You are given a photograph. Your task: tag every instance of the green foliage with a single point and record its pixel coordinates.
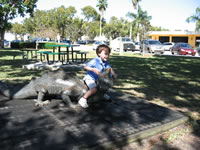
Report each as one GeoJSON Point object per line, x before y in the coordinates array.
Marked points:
{"type": "Point", "coordinates": [102, 5]}
{"type": "Point", "coordinates": [40, 25]}
{"type": "Point", "coordinates": [90, 13]}
{"type": "Point", "coordinates": [18, 29]}
{"type": "Point", "coordinates": [62, 21]}
{"type": "Point", "coordinates": [62, 18]}
{"type": "Point", "coordinates": [23, 45]}
{"type": "Point", "coordinates": [141, 20]}
{"type": "Point", "coordinates": [75, 30]}
{"type": "Point", "coordinates": [15, 45]}
{"type": "Point", "coordinates": [45, 45]}
{"type": "Point", "coordinates": [11, 9]}
{"type": "Point", "coordinates": [154, 28]}
{"type": "Point", "coordinates": [195, 18]}
{"type": "Point", "coordinates": [135, 3]}
{"type": "Point", "coordinates": [116, 27]}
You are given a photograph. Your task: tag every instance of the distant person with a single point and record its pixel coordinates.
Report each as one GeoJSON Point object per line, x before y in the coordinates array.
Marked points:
{"type": "Point", "coordinates": [94, 68]}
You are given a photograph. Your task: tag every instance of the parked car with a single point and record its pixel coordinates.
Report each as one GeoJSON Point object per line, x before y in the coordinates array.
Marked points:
{"type": "Point", "coordinates": [81, 42]}
{"type": "Point", "coordinates": [181, 48]}
{"type": "Point", "coordinates": [137, 46]}
{"type": "Point", "coordinates": [16, 41]}
{"type": "Point", "coordinates": [67, 42]}
{"type": "Point", "coordinates": [90, 41]}
{"type": "Point", "coordinates": [97, 43]}
{"type": "Point", "coordinates": [126, 43]}
{"type": "Point", "coordinates": [198, 50]}
{"type": "Point", "coordinates": [168, 45]}
{"type": "Point", "coordinates": [152, 46]}
{"type": "Point", "coordinates": [6, 43]}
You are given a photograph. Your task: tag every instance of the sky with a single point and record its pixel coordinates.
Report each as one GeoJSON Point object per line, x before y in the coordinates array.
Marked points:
{"type": "Point", "coordinates": [168, 14]}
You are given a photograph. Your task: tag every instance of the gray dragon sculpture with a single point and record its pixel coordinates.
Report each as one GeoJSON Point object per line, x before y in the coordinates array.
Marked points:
{"type": "Point", "coordinates": [58, 83]}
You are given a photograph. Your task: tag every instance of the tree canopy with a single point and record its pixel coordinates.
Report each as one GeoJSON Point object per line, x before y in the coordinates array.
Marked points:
{"type": "Point", "coordinates": [141, 22]}
{"type": "Point", "coordinates": [65, 22]}
{"type": "Point", "coordinates": [10, 9]}
{"type": "Point", "coordinates": [90, 13]}
{"type": "Point", "coordinates": [195, 18]}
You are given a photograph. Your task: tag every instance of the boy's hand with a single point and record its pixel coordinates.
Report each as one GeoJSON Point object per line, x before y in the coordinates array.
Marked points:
{"type": "Point", "coordinates": [92, 69]}
{"type": "Point", "coordinates": [96, 71]}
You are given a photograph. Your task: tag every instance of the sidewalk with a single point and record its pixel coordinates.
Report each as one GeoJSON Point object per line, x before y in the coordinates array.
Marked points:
{"type": "Point", "coordinates": [105, 125]}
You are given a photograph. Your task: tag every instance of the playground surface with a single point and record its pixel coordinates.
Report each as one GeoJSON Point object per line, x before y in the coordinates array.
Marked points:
{"type": "Point", "coordinates": [107, 125]}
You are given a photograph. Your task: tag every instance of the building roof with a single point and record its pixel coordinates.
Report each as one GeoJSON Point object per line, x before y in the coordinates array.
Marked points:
{"type": "Point", "coordinates": [185, 32]}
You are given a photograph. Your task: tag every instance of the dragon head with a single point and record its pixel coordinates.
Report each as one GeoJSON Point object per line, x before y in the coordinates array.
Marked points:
{"type": "Point", "coordinates": [105, 80]}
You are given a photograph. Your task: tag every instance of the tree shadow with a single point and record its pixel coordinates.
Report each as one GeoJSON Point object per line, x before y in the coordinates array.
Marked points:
{"type": "Point", "coordinates": [173, 80]}
{"type": "Point", "coordinates": [103, 125]}
{"type": "Point", "coordinates": [61, 128]}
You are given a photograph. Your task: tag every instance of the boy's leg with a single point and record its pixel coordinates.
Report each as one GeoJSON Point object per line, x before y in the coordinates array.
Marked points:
{"type": "Point", "coordinates": [83, 100]}
{"type": "Point", "coordinates": [92, 90]}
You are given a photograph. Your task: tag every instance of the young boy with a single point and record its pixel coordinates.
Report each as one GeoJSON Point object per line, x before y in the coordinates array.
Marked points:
{"type": "Point", "coordinates": [94, 68]}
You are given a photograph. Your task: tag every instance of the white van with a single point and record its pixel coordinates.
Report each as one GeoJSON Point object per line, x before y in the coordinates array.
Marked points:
{"type": "Point", "coordinates": [127, 43]}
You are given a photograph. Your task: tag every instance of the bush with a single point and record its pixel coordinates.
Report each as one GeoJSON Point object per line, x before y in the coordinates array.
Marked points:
{"type": "Point", "coordinates": [48, 47]}
{"type": "Point", "coordinates": [31, 45]}
{"type": "Point", "coordinates": [15, 45]}
{"type": "Point", "coordinates": [23, 45]}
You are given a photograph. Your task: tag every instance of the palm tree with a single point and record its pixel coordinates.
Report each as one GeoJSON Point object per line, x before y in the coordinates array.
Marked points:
{"type": "Point", "coordinates": [135, 3]}
{"type": "Point", "coordinates": [135, 6]}
{"type": "Point", "coordinates": [141, 20]}
{"type": "Point", "coordinates": [195, 18]}
{"type": "Point", "coordinates": [102, 5]}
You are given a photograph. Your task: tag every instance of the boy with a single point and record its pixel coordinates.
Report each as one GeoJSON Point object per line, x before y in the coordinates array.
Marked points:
{"type": "Point", "coordinates": [94, 68]}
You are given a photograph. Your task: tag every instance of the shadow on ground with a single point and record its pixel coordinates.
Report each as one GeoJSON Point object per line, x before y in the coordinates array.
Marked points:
{"type": "Point", "coordinates": [103, 125]}
{"type": "Point", "coordinates": [172, 80]}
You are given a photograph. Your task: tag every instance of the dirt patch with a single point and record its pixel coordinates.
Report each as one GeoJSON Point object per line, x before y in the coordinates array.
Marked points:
{"type": "Point", "coordinates": [178, 138]}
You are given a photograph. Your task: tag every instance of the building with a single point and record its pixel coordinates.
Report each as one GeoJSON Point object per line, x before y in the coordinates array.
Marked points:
{"type": "Point", "coordinates": [193, 38]}
{"type": "Point", "coordinates": [10, 37]}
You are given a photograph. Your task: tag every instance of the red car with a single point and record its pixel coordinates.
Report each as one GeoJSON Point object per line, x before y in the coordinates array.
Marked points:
{"type": "Point", "coordinates": [183, 49]}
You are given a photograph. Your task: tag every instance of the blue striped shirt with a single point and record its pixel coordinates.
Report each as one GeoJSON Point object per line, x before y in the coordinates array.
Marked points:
{"type": "Point", "coordinates": [98, 64]}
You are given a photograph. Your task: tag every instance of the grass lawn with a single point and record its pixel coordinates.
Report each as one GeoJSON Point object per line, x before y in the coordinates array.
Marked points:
{"type": "Point", "coordinates": [173, 82]}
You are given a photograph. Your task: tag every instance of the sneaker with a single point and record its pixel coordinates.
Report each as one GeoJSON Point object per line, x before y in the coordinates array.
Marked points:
{"type": "Point", "coordinates": [106, 97]}
{"type": "Point", "coordinates": [83, 102]}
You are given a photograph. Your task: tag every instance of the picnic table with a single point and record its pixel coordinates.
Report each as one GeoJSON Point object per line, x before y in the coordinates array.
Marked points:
{"type": "Point", "coordinates": [44, 53]}
{"type": "Point", "coordinates": [32, 51]}
{"type": "Point", "coordinates": [60, 52]}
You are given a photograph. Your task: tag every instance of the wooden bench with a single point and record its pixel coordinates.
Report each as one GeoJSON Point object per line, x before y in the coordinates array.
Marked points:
{"type": "Point", "coordinates": [81, 54]}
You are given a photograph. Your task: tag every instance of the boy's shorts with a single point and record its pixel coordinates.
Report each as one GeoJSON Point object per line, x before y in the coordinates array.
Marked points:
{"type": "Point", "coordinates": [90, 83]}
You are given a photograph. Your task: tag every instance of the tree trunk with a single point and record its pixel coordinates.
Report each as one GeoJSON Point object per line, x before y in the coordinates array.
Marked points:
{"type": "Point", "coordinates": [100, 26]}
{"type": "Point", "coordinates": [2, 33]}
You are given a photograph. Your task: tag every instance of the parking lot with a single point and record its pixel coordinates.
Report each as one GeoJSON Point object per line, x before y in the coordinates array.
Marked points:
{"type": "Point", "coordinates": [165, 53]}
{"type": "Point", "coordinates": [90, 48]}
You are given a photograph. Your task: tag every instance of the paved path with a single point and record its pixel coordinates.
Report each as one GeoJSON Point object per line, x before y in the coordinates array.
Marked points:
{"type": "Point", "coordinates": [104, 125]}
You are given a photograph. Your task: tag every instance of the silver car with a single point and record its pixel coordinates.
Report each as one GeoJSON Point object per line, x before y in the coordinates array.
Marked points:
{"type": "Point", "coordinates": [198, 50]}
{"type": "Point", "coordinates": [152, 46]}
{"type": "Point", "coordinates": [168, 45]}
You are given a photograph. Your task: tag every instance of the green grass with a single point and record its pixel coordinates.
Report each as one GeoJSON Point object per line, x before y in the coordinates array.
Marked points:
{"type": "Point", "coordinates": [169, 81]}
